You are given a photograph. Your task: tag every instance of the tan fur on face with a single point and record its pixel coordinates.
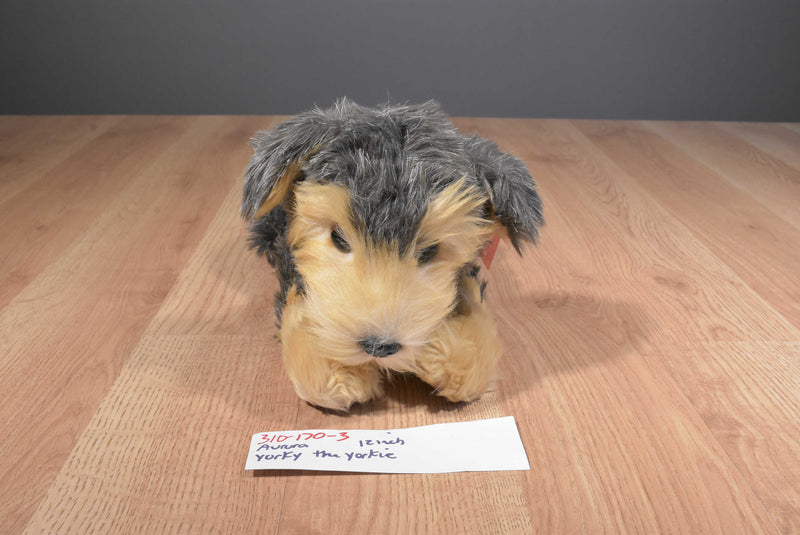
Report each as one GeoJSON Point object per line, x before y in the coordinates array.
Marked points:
{"type": "Point", "coordinates": [372, 291]}
{"type": "Point", "coordinates": [451, 220]}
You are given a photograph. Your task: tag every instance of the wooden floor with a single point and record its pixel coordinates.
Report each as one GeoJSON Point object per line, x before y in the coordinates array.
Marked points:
{"type": "Point", "coordinates": [652, 340]}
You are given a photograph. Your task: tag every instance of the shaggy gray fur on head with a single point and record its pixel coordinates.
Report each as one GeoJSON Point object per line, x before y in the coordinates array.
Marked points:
{"type": "Point", "coordinates": [393, 160]}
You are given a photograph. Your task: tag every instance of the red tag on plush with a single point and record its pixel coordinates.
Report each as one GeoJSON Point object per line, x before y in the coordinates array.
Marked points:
{"type": "Point", "coordinates": [488, 253]}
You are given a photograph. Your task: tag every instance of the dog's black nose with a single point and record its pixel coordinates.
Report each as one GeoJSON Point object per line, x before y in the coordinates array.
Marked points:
{"type": "Point", "coordinates": [378, 347]}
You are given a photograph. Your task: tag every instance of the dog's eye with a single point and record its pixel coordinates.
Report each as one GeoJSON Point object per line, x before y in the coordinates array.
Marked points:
{"type": "Point", "coordinates": [337, 237]}
{"type": "Point", "coordinates": [428, 254]}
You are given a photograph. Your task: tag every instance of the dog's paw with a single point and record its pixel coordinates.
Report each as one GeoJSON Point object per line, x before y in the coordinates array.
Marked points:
{"type": "Point", "coordinates": [338, 388]}
{"type": "Point", "coordinates": [460, 362]}
{"type": "Point", "coordinates": [457, 369]}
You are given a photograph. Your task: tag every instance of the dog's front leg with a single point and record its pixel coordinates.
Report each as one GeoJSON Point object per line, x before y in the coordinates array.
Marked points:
{"type": "Point", "coordinates": [318, 380]}
{"type": "Point", "coordinates": [460, 362]}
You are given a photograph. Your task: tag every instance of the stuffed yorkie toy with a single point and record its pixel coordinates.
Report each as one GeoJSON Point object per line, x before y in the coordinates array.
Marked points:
{"type": "Point", "coordinates": [375, 221]}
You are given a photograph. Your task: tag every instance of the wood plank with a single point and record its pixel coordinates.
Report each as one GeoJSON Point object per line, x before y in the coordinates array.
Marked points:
{"type": "Point", "coordinates": [58, 206]}
{"type": "Point", "coordinates": [12, 125]}
{"type": "Point", "coordinates": [34, 145]}
{"type": "Point", "coordinates": [165, 452]}
{"type": "Point", "coordinates": [767, 180]}
{"type": "Point", "coordinates": [633, 458]}
{"type": "Point", "coordinates": [724, 219]}
{"type": "Point", "coordinates": [16, 128]}
{"type": "Point", "coordinates": [782, 143]}
{"type": "Point", "coordinates": [792, 126]}
{"type": "Point", "coordinates": [680, 353]}
{"type": "Point", "coordinates": [748, 393]}
{"type": "Point", "coordinates": [109, 283]}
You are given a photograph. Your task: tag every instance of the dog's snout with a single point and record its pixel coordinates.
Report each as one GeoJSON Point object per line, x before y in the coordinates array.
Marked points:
{"type": "Point", "coordinates": [378, 347]}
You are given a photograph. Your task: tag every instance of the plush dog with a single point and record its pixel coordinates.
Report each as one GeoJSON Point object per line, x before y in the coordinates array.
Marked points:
{"type": "Point", "coordinates": [375, 220]}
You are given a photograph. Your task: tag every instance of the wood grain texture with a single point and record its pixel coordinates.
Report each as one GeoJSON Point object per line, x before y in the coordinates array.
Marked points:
{"type": "Point", "coordinates": [652, 340]}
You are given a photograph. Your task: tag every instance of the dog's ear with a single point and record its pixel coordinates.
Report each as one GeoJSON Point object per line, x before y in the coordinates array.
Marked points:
{"type": "Point", "coordinates": [515, 204]}
{"type": "Point", "coordinates": [277, 160]}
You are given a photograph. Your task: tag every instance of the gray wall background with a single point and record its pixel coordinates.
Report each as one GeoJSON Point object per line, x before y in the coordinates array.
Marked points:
{"type": "Point", "coordinates": [681, 59]}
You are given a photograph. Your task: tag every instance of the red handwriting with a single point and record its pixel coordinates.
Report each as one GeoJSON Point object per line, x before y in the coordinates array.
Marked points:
{"type": "Point", "coordinates": [302, 437]}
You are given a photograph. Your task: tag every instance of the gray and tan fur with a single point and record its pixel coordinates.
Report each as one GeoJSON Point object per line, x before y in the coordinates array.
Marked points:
{"type": "Point", "coordinates": [389, 165]}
